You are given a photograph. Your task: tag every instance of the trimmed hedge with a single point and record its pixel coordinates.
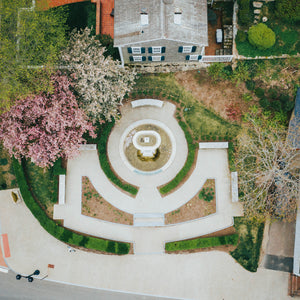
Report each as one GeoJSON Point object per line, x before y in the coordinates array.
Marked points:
{"type": "Point", "coordinates": [202, 243]}
{"type": "Point", "coordinates": [60, 232]}
{"type": "Point", "coordinates": [102, 150]}
{"type": "Point", "coordinates": [232, 167]}
{"type": "Point", "coordinates": [188, 164]}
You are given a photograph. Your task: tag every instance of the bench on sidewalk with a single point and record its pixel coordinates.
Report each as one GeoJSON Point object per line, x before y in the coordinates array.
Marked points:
{"type": "Point", "coordinates": [234, 187]}
{"type": "Point", "coordinates": [145, 102]}
{"type": "Point", "coordinates": [213, 145]}
{"type": "Point", "coordinates": [61, 189]}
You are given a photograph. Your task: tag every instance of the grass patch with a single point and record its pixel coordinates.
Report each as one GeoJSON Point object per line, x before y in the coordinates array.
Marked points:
{"type": "Point", "coordinates": [58, 231]}
{"type": "Point", "coordinates": [202, 243]}
{"type": "Point", "coordinates": [248, 249]}
{"type": "Point", "coordinates": [43, 183]}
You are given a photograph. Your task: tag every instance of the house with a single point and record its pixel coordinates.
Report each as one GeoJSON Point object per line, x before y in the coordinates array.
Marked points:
{"type": "Point", "coordinates": [165, 31]}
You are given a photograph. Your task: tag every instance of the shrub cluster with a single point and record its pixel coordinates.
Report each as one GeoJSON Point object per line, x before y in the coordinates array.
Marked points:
{"type": "Point", "coordinates": [274, 101]}
{"type": "Point", "coordinates": [202, 243]}
{"type": "Point", "coordinates": [231, 159]}
{"type": "Point", "coordinates": [60, 232]}
{"type": "Point", "coordinates": [188, 164]}
{"type": "Point", "coordinates": [207, 194]}
{"type": "Point", "coordinates": [261, 36]}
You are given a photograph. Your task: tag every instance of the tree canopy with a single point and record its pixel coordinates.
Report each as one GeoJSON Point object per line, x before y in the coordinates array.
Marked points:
{"type": "Point", "coordinates": [30, 38]}
{"type": "Point", "coordinates": [99, 81]}
{"type": "Point", "coordinates": [45, 127]}
{"type": "Point", "coordinates": [268, 177]}
{"type": "Point", "coordinates": [288, 10]}
{"type": "Point", "coordinates": [261, 36]}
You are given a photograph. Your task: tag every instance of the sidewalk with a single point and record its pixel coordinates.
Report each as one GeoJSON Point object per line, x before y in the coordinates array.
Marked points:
{"type": "Point", "coordinates": [206, 275]}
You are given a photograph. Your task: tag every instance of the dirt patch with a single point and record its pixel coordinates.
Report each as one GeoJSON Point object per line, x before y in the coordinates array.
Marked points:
{"type": "Point", "coordinates": [216, 96]}
{"type": "Point", "coordinates": [94, 205]}
{"type": "Point", "coordinates": [196, 208]}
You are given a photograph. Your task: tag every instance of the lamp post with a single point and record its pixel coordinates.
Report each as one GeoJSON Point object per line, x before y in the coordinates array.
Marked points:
{"type": "Point", "coordinates": [29, 277]}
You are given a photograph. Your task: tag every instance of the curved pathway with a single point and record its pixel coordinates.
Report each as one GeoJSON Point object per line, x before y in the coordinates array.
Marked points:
{"type": "Point", "coordinates": [211, 163]}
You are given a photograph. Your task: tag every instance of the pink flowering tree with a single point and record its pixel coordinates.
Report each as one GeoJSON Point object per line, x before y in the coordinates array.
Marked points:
{"type": "Point", "coordinates": [45, 127]}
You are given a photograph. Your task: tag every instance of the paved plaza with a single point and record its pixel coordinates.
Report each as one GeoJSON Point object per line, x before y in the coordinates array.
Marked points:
{"type": "Point", "coordinates": [148, 206]}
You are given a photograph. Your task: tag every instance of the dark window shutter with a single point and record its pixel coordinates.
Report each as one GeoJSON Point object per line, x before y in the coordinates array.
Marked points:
{"type": "Point", "coordinates": [162, 58]}
{"type": "Point", "coordinates": [150, 50]}
{"type": "Point", "coordinates": [143, 50]}
{"type": "Point", "coordinates": [194, 48]}
{"type": "Point", "coordinates": [144, 58]}
{"type": "Point", "coordinates": [129, 50]}
{"type": "Point", "coordinates": [199, 57]}
{"type": "Point", "coordinates": [180, 49]}
{"type": "Point", "coordinates": [187, 57]}
{"type": "Point", "coordinates": [150, 58]}
{"type": "Point", "coordinates": [163, 49]}
{"type": "Point", "coordinates": [131, 58]}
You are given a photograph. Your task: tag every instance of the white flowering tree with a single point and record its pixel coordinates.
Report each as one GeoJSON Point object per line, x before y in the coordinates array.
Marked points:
{"type": "Point", "coordinates": [100, 82]}
{"type": "Point", "coordinates": [268, 175]}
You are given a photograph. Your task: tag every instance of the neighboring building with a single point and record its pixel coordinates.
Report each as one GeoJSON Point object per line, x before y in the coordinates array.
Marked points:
{"type": "Point", "coordinates": [294, 138]}
{"type": "Point", "coordinates": [169, 31]}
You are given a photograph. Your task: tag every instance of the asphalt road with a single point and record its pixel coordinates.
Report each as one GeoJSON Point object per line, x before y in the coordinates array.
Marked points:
{"type": "Point", "coordinates": [10, 288]}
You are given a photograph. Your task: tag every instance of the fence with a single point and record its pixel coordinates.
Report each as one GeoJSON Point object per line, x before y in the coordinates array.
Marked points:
{"type": "Point", "coordinates": [216, 58]}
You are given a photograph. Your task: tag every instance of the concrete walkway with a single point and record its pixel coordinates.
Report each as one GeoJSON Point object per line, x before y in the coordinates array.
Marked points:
{"type": "Point", "coordinates": [148, 206]}
{"type": "Point", "coordinates": [206, 275]}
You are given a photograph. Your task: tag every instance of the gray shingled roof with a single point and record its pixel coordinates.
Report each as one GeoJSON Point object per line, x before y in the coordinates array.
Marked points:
{"type": "Point", "coordinates": [294, 126]}
{"type": "Point", "coordinates": [129, 30]}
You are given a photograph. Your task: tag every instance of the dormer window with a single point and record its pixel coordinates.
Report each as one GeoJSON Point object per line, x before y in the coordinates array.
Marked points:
{"type": "Point", "coordinates": [144, 18]}
{"type": "Point", "coordinates": [177, 18]}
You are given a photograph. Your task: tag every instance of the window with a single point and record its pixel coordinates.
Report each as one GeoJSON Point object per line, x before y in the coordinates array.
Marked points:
{"type": "Point", "coordinates": [136, 50]}
{"type": "Point", "coordinates": [144, 19]}
{"type": "Point", "coordinates": [156, 49]}
{"type": "Point", "coordinates": [177, 18]}
{"type": "Point", "coordinates": [137, 58]}
{"type": "Point", "coordinates": [156, 58]}
{"type": "Point", "coordinates": [187, 49]}
{"type": "Point", "coordinates": [193, 57]}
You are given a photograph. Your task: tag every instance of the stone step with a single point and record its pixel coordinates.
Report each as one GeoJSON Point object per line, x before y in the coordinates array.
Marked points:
{"type": "Point", "coordinates": [148, 219]}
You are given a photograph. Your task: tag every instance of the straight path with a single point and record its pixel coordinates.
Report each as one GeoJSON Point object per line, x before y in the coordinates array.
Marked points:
{"type": "Point", "coordinates": [206, 275]}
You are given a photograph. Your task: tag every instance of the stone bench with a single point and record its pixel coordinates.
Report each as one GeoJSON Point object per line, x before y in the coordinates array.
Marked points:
{"type": "Point", "coordinates": [62, 189]}
{"type": "Point", "coordinates": [213, 145]}
{"type": "Point", "coordinates": [234, 187]}
{"type": "Point", "coordinates": [147, 102]}
{"type": "Point", "coordinates": [88, 147]}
